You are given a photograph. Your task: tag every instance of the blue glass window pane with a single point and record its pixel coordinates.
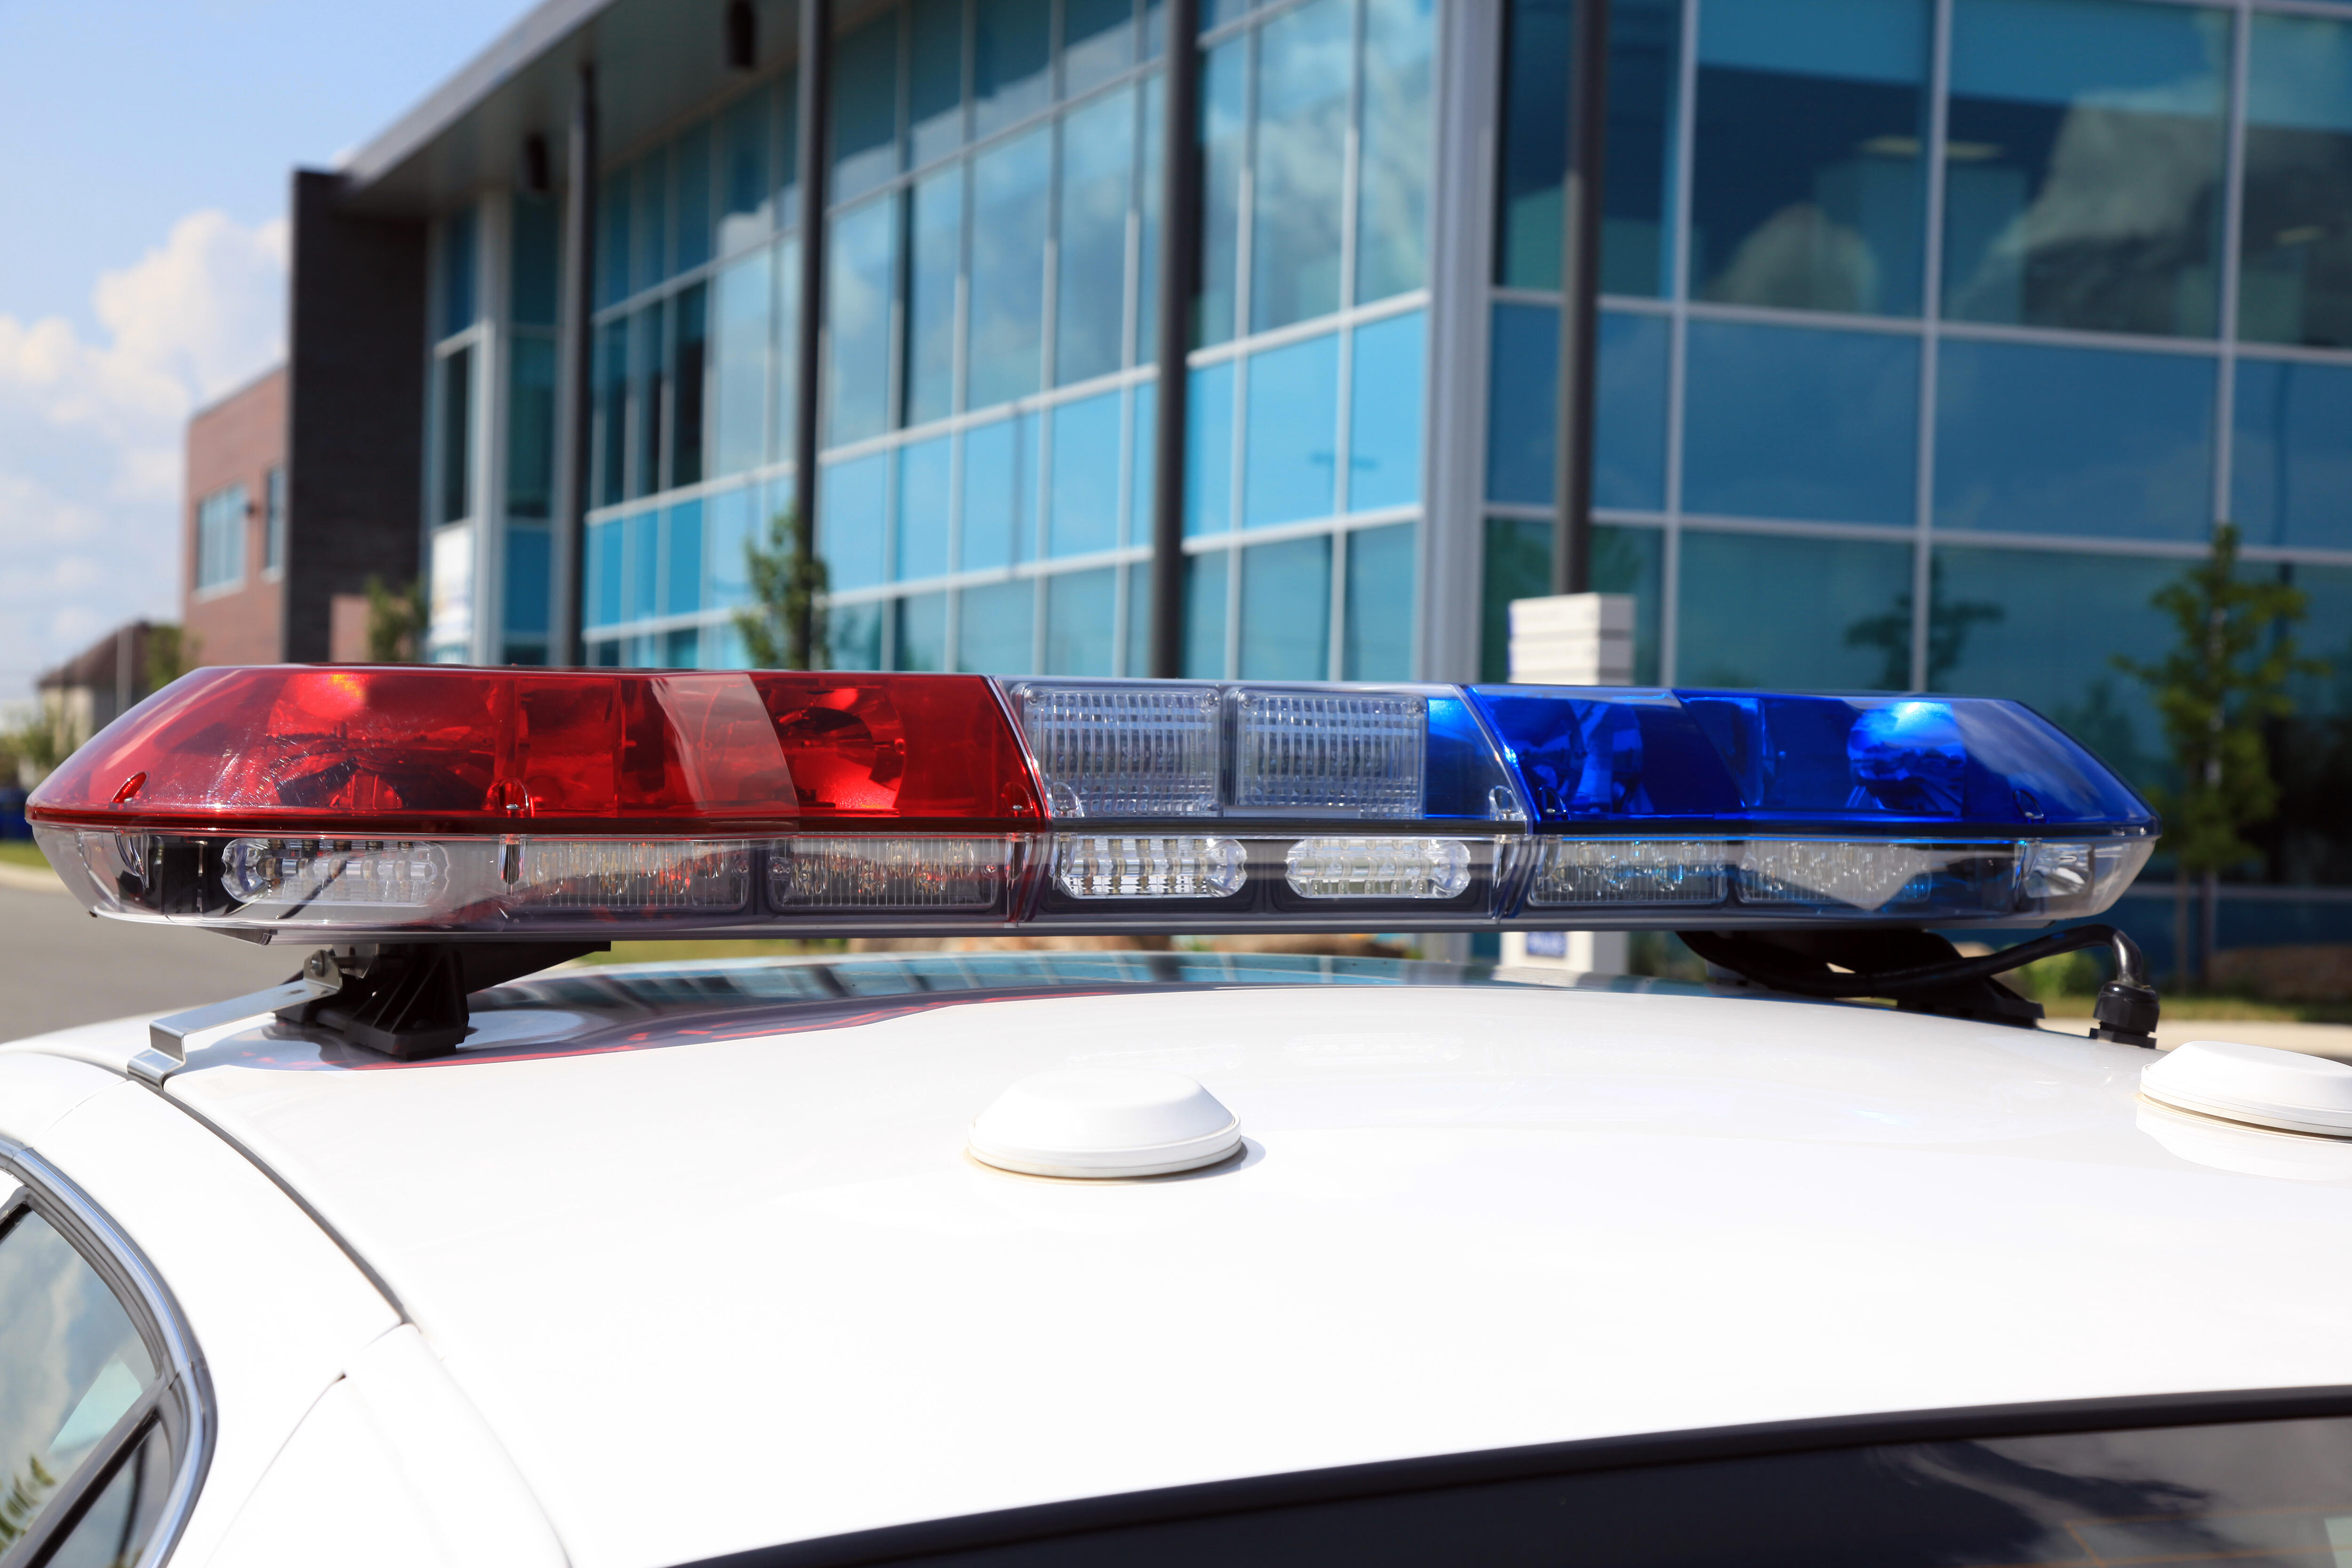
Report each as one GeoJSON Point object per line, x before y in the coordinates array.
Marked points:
{"type": "Point", "coordinates": [1289, 458]}
{"type": "Point", "coordinates": [1395, 140]}
{"type": "Point", "coordinates": [1224, 142]}
{"type": "Point", "coordinates": [1819, 627]}
{"type": "Point", "coordinates": [649, 376]}
{"type": "Point", "coordinates": [1090, 300]}
{"type": "Point", "coordinates": [2081, 611]}
{"type": "Point", "coordinates": [782, 394]}
{"type": "Point", "coordinates": [2291, 472]}
{"type": "Point", "coordinates": [932, 271]}
{"type": "Point", "coordinates": [853, 635]}
{"type": "Point", "coordinates": [1376, 642]}
{"type": "Point", "coordinates": [1204, 615]}
{"type": "Point", "coordinates": [923, 488]}
{"type": "Point", "coordinates": [1785, 422]}
{"type": "Point", "coordinates": [1644, 62]}
{"type": "Point", "coordinates": [2033, 439]}
{"type": "Point", "coordinates": [1629, 460]}
{"type": "Point", "coordinates": [682, 564]}
{"type": "Point", "coordinates": [935, 81]}
{"type": "Point", "coordinates": [1011, 42]}
{"type": "Point", "coordinates": [1807, 185]}
{"type": "Point", "coordinates": [530, 428]}
{"type": "Point", "coordinates": [641, 566]}
{"type": "Point", "coordinates": [923, 640]}
{"type": "Point", "coordinates": [536, 253]}
{"type": "Point", "coordinates": [1079, 607]}
{"type": "Point", "coordinates": [993, 636]}
{"type": "Point", "coordinates": [853, 516]}
{"type": "Point", "coordinates": [1139, 619]}
{"type": "Point", "coordinates": [1385, 415]}
{"type": "Point", "coordinates": [2083, 184]}
{"type": "Point", "coordinates": [651, 230]}
{"type": "Point", "coordinates": [858, 286]}
{"type": "Point", "coordinates": [788, 165]}
{"type": "Point", "coordinates": [1000, 490]}
{"type": "Point", "coordinates": [746, 196]}
{"type": "Point", "coordinates": [866, 107]}
{"type": "Point", "coordinates": [603, 573]}
{"type": "Point", "coordinates": [526, 570]}
{"type": "Point", "coordinates": [1097, 41]}
{"type": "Point", "coordinates": [693, 155]}
{"type": "Point", "coordinates": [611, 433]}
{"type": "Point", "coordinates": [1523, 402]}
{"type": "Point", "coordinates": [1082, 508]}
{"type": "Point", "coordinates": [1008, 268]}
{"type": "Point", "coordinates": [2295, 271]}
{"type": "Point", "coordinates": [613, 241]}
{"type": "Point", "coordinates": [1143, 401]}
{"type": "Point", "coordinates": [1146, 278]}
{"type": "Point", "coordinates": [739, 379]}
{"type": "Point", "coordinates": [1286, 610]}
{"type": "Point", "coordinates": [735, 520]}
{"type": "Point", "coordinates": [682, 649]}
{"type": "Point", "coordinates": [1209, 450]}
{"type": "Point", "coordinates": [1302, 129]}
{"type": "Point", "coordinates": [459, 235]}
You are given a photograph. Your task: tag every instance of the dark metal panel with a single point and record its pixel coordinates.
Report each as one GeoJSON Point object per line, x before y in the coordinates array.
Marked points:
{"type": "Point", "coordinates": [575, 394]}
{"type": "Point", "coordinates": [1579, 281]}
{"type": "Point", "coordinates": [816, 99]}
{"type": "Point", "coordinates": [1180, 250]}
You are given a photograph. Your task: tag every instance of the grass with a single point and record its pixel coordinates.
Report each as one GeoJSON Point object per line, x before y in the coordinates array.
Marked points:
{"type": "Point", "coordinates": [698, 951]}
{"type": "Point", "coordinates": [22, 852]}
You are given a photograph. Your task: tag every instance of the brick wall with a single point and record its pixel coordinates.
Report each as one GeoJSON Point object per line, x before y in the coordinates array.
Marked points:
{"type": "Point", "coordinates": [237, 440]}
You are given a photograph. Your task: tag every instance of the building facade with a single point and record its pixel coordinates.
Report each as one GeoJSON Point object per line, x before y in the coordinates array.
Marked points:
{"type": "Point", "coordinates": [1935, 336]}
{"type": "Point", "coordinates": [234, 533]}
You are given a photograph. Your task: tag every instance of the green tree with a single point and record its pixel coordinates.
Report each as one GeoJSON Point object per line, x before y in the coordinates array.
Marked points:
{"type": "Point", "coordinates": [785, 625]}
{"type": "Point", "coordinates": [395, 622]}
{"type": "Point", "coordinates": [2224, 680]}
{"type": "Point", "coordinates": [1949, 623]}
{"type": "Point", "coordinates": [171, 654]}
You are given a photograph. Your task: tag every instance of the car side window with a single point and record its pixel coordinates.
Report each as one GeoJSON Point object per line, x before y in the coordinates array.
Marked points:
{"type": "Point", "coordinates": [73, 1364]}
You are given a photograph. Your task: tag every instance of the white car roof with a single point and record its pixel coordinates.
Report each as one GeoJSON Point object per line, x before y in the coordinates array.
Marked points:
{"type": "Point", "coordinates": [703, 1245]}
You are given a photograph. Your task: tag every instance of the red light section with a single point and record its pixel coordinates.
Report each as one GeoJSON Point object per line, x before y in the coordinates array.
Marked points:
{"type": "Point", "coordinates": [404, 749]}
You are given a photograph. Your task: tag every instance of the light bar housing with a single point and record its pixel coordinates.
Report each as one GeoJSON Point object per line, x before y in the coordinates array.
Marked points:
{"type": "Point", "coordinates": [347, 803]}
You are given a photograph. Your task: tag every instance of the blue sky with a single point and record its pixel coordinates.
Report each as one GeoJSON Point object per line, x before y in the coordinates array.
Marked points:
{"type": "Point", "coordinates": [145, 147]}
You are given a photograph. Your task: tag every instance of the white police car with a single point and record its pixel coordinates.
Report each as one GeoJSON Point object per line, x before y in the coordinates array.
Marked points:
{"type": "Point", "coordinates": [1146, 1258]}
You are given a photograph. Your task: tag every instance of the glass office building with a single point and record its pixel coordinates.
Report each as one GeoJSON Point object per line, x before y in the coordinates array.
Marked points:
{"type": "Point", "coordinates": [1935, 336]}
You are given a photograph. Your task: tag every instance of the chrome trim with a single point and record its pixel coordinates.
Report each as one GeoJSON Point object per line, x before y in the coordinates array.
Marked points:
{"type": "Point", "coordinates": [188, 1377]}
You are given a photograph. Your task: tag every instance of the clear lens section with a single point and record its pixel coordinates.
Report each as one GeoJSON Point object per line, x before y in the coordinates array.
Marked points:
{"type": "Point", "coordinates": [1123, 750]}
{"type": "Point", "coordinates": [1379, 868]}
{"type": "Point", "coordinates": [607, 873]}
{"type": "Point", "coordinates": [1088, 867]}
{"type": "Point", "coordinates": [342, 873]}
{"type": "Point", "coordinates": [1359, 753]}
{"type": "Point", "coordinates": [1630, 872]}
{"type": "Point", "coordinates": [1878, 877]}
{"type": "Point", "coordinates": [888, 873]}
{"type": "Point", "coordinates": [2055, 873]}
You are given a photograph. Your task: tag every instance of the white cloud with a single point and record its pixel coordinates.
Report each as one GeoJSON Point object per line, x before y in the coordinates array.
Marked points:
{"type": "Point", "coordinates": [91, 434]}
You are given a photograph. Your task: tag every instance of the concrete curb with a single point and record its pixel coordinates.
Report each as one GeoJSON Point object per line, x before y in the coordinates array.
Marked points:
{"type": "Point", "coordinates": [30, 881]}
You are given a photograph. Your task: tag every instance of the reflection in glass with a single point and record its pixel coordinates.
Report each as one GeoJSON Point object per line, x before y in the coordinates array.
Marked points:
{"type": "Point", "coordinates": [2294, 278]}
{"type": "Point", "coordinates": [530, 428]}
{"type": "Point", "coordinates": [1147, 276]}
{"type": "Point", "coordinates": [1385, 415]}
{"type": "Point", "coordinates": [457, 436]}
{"type": "Point", "coordinates": [994, 632]}
{"type": "Point", "coordinates": [1290, 458]}
{"type": "Point", "coordinates": [1731, 634]}
{"type": "Point", "coordinates": [2037, 439]}
{"type": "Point", "coordinates": [1225, 125]}
{"type": "Point", "coordinates": [922, 633]}
{"type": "Point", "coordinates": [923, 500]}
{"type": "Point", "coordinates": [742, 372]}
{"type": "Point", "coordinates": [71, 1364]}
{"type": "Point", "coordinates": [1097, 164]}
{"type": "Point", "coordinates": [611, 434]}
{"type": "Point", "coordinates": [2083, 174]}
{"type": "Point", "coordinates": [1792, 423]}
{"type": "Point", "coordinates": [641, 566]}
{"type": "Point", "coordinates": [651, 229]}
{"type": "Point", "coordinates": [1204, 615]}
{"type": "Point", "coordinates": [682, 559]}
{"type": "Point", "coordinates": [853, 515]}
{"type": "Point", "coordinates": [1079, 606]}
{"type": "Point", "coordinates": [857, 326]}
{"type": "Point", "coordinates": [735, 520]}
{"type": "Point", "coordinates": [1302, 132]}
{"type": "Point", "coordinates": [935, 81]}
{"type": "Point", "coordinates": [1806, 186]}
{"type": "Point", "coordinates": [693, 162]}
{"type": "Point", "coordinates": [526, 580]}
{"type": "Point", "coordinates": [1209, 450]}
{"type": "Point", "coordinates": [935, 241]}
{"type": "Point", "coordinates": [1395, 144]}
{"type": "Point", "coordinates": [649, 396]}
{"type": "Point", "coordinates": [1143, 401]}
{"type": "Point", "coordinates": [1010, 44]}
{"type": "Point", "coordinates": [1286, 610]}
{"type": "Point", "coordinates": [1376, 639]}
{"type": "Point", "coordinates": [1008, 268]}
{"type": "Point", "coordinates": [853, 635]}
{"type": "Point", "coordinates": [460, 235]}
{"type": "Point", "coordinates": [999, 489]}
{"type": "Point", "coordinates": [688, 349]}
{"type": "Point", "coordinates": [866, 107]}
{"type": "Point", "coordinates": [746, 198]}
{"type": "Point", "coordinates": [1097, 41]}
{"type": "Point", "coordinates": [2291, 472]}
{"type": "Point", "coordinates": [1519, 567]}
{"type": "Point", "coordinates": [601, 570]}
{"type": "Point", "coordinates": [612, 239]}
{"type": "Point", "coordinates": [535, 251]}
{"type": "Point", "coordinates": [114, 1528]}
{"type": "Point", "coordinates": [1629, 457]}
{"type": "Point", "coordinates": [1082, 503]}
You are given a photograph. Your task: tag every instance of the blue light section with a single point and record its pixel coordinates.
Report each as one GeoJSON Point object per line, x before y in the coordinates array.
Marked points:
{"type": "Point", "coordinates": [1590, 757]}
{"type": "Point", "coordinates": [1459, 778]}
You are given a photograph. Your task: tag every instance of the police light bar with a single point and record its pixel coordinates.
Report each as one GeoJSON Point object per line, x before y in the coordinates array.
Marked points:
{"type": "Point", "coordinates": [438, 802]}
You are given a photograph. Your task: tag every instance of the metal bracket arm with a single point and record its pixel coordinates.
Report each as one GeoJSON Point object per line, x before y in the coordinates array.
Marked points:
{"type": "Point", "coordinates": [167, 1037]}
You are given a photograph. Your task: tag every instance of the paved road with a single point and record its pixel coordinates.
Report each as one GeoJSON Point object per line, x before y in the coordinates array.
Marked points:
{"type": "Point", "coordinates": [59, 966]}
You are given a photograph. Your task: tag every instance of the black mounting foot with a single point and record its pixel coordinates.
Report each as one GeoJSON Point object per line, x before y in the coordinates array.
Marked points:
{"type": "Point", "coordinates": [407, 1000]}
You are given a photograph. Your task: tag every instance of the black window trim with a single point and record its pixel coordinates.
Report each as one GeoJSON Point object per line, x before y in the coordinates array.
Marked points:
{"type": "Point", "coordinates": [178, 1402]}
{"type": "Point", "coordinates": [1253, 1494]}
